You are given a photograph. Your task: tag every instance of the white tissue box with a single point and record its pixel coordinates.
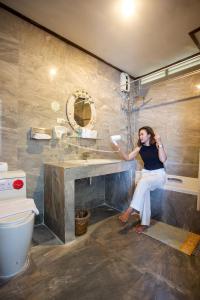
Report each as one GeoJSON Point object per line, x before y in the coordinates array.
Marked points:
{"type": "Point", "coordinates": [41, 136]}
{"type": "Point", "coordinates": [41, 133]}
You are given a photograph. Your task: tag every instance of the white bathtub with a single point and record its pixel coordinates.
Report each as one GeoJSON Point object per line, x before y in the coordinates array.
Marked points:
{"type": "Point", "coordinates": [182, 184]}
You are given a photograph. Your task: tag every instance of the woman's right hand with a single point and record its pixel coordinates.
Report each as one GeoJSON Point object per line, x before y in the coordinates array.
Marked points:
{"type": "Point", "coordinates": [115, 146]}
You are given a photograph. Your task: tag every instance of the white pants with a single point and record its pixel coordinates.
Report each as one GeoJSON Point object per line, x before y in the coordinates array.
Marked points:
{"type": "Point", "coordinates": [150, 180]}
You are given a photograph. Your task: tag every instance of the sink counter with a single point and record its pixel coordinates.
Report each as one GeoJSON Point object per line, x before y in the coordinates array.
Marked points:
{"type": "Point", "coordinates": [59, 189]}
{"type": "Point", "coordinates": [77, 169]}
{"type": "Point", "coordinates": [81, 162]}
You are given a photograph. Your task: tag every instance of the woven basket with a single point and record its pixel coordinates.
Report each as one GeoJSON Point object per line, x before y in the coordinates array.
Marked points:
{"type": "Point", "coordinates": [81, 221]}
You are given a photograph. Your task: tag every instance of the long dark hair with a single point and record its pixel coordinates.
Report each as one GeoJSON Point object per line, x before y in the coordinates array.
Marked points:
{"type": "Point", "coordinates": [150, 131]}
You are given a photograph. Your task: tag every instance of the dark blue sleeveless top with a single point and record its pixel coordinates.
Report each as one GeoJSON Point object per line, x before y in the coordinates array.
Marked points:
{"type": "Point", "coordinates": [149, 155]}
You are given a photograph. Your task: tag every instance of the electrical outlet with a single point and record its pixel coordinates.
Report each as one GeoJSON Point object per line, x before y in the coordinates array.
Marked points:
{"type": "Point", "coordinates": [61, 121]}
{"type": "Point", "coordinates": [59, 131]}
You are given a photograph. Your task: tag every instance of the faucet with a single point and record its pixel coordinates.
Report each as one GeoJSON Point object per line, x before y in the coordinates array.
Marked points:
{"type": "Point", "coordinates": [85, 155]}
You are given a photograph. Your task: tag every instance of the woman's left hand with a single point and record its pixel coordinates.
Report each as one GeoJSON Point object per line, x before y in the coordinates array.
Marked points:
{"type": "Point", "coordinates": [158, 138]}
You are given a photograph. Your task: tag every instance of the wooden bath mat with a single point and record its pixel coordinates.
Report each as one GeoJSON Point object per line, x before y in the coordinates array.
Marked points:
{"type": "Point", "coordinates": [180, 239]}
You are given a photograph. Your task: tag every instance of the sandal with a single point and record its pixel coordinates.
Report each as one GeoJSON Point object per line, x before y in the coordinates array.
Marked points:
{"type": "Point", "coordinates": [141, 228]}
{"type": "Point", "coordinates": [123, 218]}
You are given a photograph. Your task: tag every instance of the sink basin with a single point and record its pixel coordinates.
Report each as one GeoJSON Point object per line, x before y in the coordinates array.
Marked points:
{"type": "Point", "coordinates": [98, 161]}
{"type": "Point", "coordinates": [95, 161]}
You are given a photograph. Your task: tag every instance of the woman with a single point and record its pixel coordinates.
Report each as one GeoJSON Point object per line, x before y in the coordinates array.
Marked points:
{"type": "Point", "coordinates": [152, 152]}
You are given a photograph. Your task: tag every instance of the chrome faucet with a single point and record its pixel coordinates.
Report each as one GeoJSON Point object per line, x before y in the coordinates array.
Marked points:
{"type": "Point", "coordinates": [85, 155]}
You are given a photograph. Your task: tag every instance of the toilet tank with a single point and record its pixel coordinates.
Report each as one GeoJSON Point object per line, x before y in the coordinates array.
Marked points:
{"type": "Point", "coordinates": [12, 184]}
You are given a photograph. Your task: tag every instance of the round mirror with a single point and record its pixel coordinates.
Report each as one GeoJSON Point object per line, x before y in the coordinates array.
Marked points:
{"type": "Point", "coordinates": [81, 110]}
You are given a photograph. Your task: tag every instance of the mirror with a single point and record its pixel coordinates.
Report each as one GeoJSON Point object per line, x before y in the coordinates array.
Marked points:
{"type": "Point", "coordinates": [81, 110]}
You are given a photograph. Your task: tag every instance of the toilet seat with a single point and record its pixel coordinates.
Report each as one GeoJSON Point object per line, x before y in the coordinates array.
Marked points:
{"type": "Point", "coordinates": [15, 219]}
{"type": "Point", "coordinates": [16, 211]}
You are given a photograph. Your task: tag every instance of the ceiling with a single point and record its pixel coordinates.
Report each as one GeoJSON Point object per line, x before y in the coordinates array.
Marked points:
{"type": "Point", "coordinates": [154, 36]}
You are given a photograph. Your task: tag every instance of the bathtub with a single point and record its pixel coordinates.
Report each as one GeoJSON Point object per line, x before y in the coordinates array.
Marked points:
{"type": "Point", "coordinates": [182, 184]}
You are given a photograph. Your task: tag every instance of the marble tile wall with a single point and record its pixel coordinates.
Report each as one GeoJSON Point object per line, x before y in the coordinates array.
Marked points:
{"type": "Point", "coordinates": [115, 190]}
{"type": "Point", "coordinates": [178, 123]}
{"type": "Point", "coordinates": [119, 190]}
{"type": "Point", "coordinates": [27, 91]}
{"type": "Point", "coordinates": [89, 192]}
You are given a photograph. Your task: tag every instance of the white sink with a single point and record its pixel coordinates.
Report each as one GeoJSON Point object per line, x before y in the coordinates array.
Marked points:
{"type": "Point", "coordinates": [98, 161]}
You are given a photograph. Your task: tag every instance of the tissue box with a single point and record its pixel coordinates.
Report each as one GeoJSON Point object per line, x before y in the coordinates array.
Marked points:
{"type": "Point", "coordinates": [41, 133]}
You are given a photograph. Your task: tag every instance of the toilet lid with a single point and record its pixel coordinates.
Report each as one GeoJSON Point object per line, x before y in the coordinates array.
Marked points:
{"type": "Point", "coordinates": [15, 218]}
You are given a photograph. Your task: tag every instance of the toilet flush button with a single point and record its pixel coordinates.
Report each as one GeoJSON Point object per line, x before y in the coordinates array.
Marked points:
{"type": "Point", "coordinates": [2, 185]}
{"type": "Point", "coordinates": [18, 184]}
{"type": "Point", "coordinates": [5, 185]}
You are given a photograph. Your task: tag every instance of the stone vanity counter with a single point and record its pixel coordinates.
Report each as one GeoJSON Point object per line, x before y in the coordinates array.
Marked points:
{"type": "Point", "coordinates": [59, 189]}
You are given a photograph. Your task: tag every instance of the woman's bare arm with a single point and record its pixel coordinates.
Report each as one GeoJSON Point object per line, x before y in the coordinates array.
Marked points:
{"type": "Point", "coordinates": [162, 154]}
{"type": "Point", "coordinates": [161, 151]}
{"type": "Point", "coordinates": [126, 156]}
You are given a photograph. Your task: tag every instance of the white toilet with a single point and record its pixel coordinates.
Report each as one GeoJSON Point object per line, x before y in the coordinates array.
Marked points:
{"type": "Point", "coordinates": [16, 228]}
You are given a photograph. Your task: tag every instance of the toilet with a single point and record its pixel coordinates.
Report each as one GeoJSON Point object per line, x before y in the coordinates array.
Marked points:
{"type": "Point", "coordinates": [16, 227]}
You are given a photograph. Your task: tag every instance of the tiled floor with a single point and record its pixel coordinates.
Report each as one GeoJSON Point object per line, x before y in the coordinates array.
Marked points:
{"type": "Point", "coordinates": [101, 213]}
{"type": "Point", "coordinates": [104, 265]}
{"type": "Point", "coordinates": [42, 235]}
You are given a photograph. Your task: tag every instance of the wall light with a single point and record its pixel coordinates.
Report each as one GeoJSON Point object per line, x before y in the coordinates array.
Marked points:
{"type": "Point", "coordinates": [127, 7]}
{"type": "Point", "coordinates": [198, 86]}
{"type": "Point", "coordinates": [52, 72]}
